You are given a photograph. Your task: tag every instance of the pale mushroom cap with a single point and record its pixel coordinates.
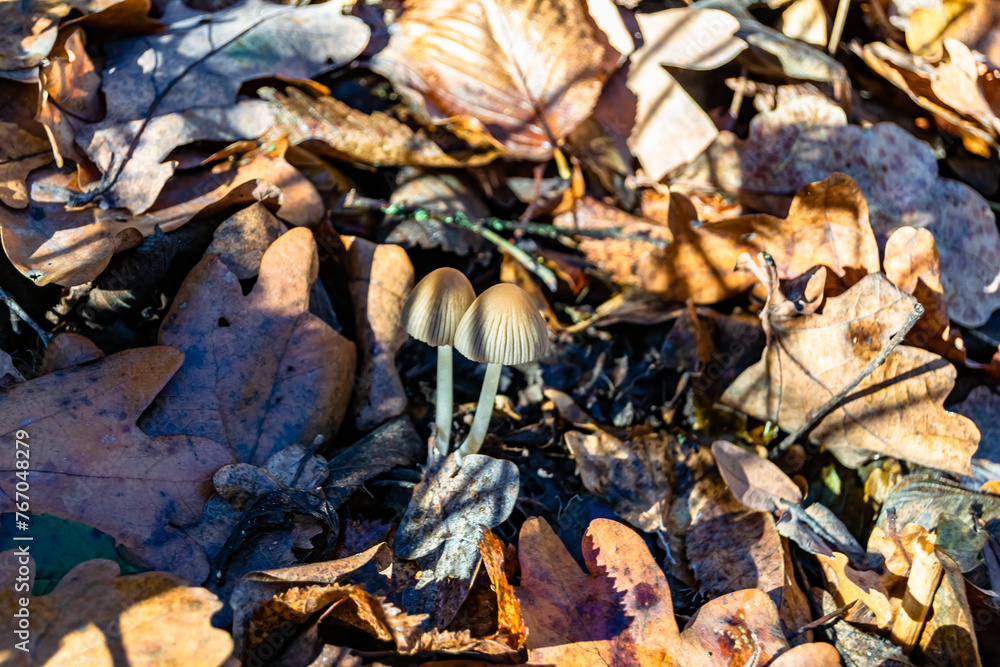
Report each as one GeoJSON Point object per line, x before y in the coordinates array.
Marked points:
{"type": "Point", "coordinates": [435, 306]}
{"type": "Point", "coordinates": [502, 326]}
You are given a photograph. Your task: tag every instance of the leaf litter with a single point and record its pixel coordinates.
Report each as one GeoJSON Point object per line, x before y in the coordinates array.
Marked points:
{"type": "Point", "coordinates": [767, 265]}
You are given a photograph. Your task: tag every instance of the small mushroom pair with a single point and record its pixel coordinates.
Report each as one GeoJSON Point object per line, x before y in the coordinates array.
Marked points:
{"type": "Point", "coordinates": [502, 327]}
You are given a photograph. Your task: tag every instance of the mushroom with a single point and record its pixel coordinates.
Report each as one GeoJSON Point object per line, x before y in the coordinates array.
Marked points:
{"type": "Point", "coordinates": [431, 315]}
{"type": "Point", "coordinates": [501, 328]}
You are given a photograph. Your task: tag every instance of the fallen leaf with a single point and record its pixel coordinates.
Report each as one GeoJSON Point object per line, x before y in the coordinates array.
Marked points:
{"type": "Point", "coordinates": [688, 38]}
{"type": "Point", "coordinates": [931, 503]}
{"type": "Point", "coordinates": [827, 224]}
{"type": "Point", "coordinates": [71, 97]}
{"type": "Point", "coordinates": [614, 255]}
{"type": "Point", "coordinates": [200, 60]}
{"type": "Point", "coordinates": [741, 628]}
{"type": "Point", "coordinates": [379, 278]}
{"type": "Point", "coordinates": [849, 584]}
{"type": "Point", "coordinates": [242, 239]}
{"type": "Point", "coordinates": [51, 243]}
{"type": "Point", "coordinates": [895, 411]}
{"type": "Point", "coordinates": [948, 87]}
{"type": "Point", "coordinates": [621, 613]}
{"type": "Point", "coordinates": [806, 20]}
{"type": "Point", "coordinates": [949, 635]}
{"type": "Point", "coordinates": [912, 263]}
{"type": "Point", "coordinates": [377, 138]}
{"type": "Point", "coordinates": [393, 444]}
{"type": "Point", "coordinates": [256, 588]}
{"type": "Point", "coordinates": [111, 475]}
{"type": "Point", "coordinates": [773, 53]}
{"type": "Point", "coordinates": [731, 548]}
{"type": "Point", "coordinates": [453, 501]}
{"type": "Point", "coordinates": [97, 617]}
{"type": "Point", "coordinates": [816, 654]}
{"type": "Point", "coordinates": [969, 21]}
{"type": "Point", "coordinates": [140, 173]}
{"type": "Point", "coordinates": [806, 138]}
{"type": "Point", "coordinates": [23, 144]}
{"type": "Point", "coordinates": [898, 550]}
{"type": "Point", "coordinates": [634, 476]}
{"type": "Point", "coordinates": [528, 74]}
{"type": "Point", "coordinates": [68, 349]}
{"type": "Point", "coordinates": [261, 372]}
{"type": "Point", "coordinates": [753, 480]}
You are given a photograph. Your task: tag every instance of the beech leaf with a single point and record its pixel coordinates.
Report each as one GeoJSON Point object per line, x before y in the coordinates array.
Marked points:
{"type": "Point", "coordinates": [529, 73]}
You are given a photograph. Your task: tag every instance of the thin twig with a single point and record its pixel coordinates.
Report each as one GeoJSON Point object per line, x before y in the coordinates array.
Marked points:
{"type": "Point", "coordinates": [17, 311]}
{"type": "Point", "coordinates": [835, 614]}
{"type": "Point", "coordinates": [816, 415]}
{"type": "Point", "coordinates": [838, 26]}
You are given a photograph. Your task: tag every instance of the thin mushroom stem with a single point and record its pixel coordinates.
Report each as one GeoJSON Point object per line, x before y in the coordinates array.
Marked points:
{"type": "Point", "coordinates": [443, 400]}
{"type": "Point", "coordinates": [484, 410]}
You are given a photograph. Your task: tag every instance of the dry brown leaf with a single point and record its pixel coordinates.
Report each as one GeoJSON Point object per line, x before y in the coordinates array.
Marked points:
{"type": "Point", "coordinates": [950, 88]}
{"type": "Point", "coordinates": [688, 38]}
{"type": "Point", "coordinates": [71, 97]}
{"type": "Point", "coordinates": [97, 618]}
{"type": "Point", "coordinates": [972, 22]}
{"type": "Point", "coordinates": [142, 172]}
{"type": "Point", "coordinates": [261, 373]}
{"type": "Point", "coordinates": [528, 73]}
{"type": "Point", "coordinates": [377, 138]}
{"type": "Point", "coordinates": [23, 144]}
{"type": "Point", "coordinates": [613, 255]}
{"type": "Point", "coordinates": [912, 264]}
{"type": "Point", "coordinates": [210, 55]}
{"type": "Point", "coordinates": [68, 349]}
{"type": "Point", "coordinates": [827, 224]}
{"type": "Point", "coordinates": [442, 196]}
{"type": "Point", "coordinates": [898, 551]}
{"type": "Point", "coordinates": [731, 548]}
{"type": "Point", "coordinates": [809, 655]}
{"type": "Point", "coordinates": [621, 613]}
{"type": "Point", "coordinates": [895, 411]}
{"type": "Point", "coordinates": [379, 277]}
{"type": "Point", "coordinates": [808, 137]}
{"type": "Point", "coordinates": [50, 243]}
{"type": "Point", "coordinates": [111, 475]}
{"type": "Point", "coordinates": [806, 20]}
{"type": "Point", "coordinates": [634, 476]}
{"type": "Point", "coordinates": [753, 480]}
{"type": "Point", "coordinates": [849, 584]}
{"type": "Point", "coordinates": [951, 633]}
{"type": "Point", "coordinates": [741, 628]}
{"type": "Point", "coordinates": [256, 588]}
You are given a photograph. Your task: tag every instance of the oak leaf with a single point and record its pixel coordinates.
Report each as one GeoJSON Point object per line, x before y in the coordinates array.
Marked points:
{"type": "Point", "coordinates": [895, 411]}
{"type": "Point", "coordinates": [528, 73]}
{"type": "Point", "coordinates": [807, 137]}
{"type": "Point", "coordinates": [261, 372]}
{"type": "Point", "coordinates": [622, 613]}
{"type": "Point", "coordinates": [826, 225]}
{"type": "Point", "coordinates": [97, 617]}
{"type": "Point", "coordinates": [96, 467]}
